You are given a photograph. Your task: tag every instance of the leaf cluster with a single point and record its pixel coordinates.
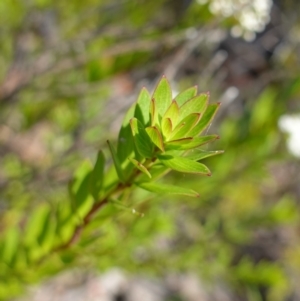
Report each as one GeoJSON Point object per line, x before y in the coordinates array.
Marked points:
{"type": "Point", "coordinates": [161, 133]}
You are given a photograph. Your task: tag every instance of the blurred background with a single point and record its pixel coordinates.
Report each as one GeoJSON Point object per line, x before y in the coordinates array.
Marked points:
{"type": "Point", "coordinates": [69, 70]}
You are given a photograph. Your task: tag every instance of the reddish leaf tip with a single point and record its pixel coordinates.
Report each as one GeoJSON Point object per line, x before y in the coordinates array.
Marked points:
{"type": "Point", "coordinates": [218, 137]}
{"type": "Point", "coordinates": [209, 174]}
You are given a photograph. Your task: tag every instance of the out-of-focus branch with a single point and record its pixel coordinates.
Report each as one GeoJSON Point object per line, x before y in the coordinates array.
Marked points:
{"type": "Point", "coordinates": [194, 38]}
{"type": "Point", "coordinates": [48, 63]}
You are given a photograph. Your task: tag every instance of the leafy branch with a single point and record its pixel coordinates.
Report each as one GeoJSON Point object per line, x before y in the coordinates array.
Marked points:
{"type": "Point", "coordinates": [158, 134]}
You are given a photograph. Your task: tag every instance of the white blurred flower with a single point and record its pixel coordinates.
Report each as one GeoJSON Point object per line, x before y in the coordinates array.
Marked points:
{"type": "Point", "coordinates": [291, 124]}
{"type": "Point", "coordinates": [252, 15]}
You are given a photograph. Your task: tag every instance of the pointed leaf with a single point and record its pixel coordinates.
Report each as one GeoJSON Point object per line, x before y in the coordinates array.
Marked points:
{"type": "Point", "coordinates": [188, 123]}
{"type": "Point", "coordinates": [47, 234]}
{"type": "Point", "coordinates": [197, 104]}
{"type": "Point", "coordinates": [167, 189]}
{"type": "Point", "coordinates": [97, 174]}
{"type": "Point", "coordinates": [140, 166]}
{"type": "Point", "coordinates": [141, 139]}
{"type": "Point", "coordinates": [180, 141]}
{"type": "Point", "coordinates": [184, 165]}
{"type": "Point", "coordinates": [162, 96]}
{"type": "Point", "coordinates": [34, 225]}
{"type": "Point", "coordinates": [12, 240]}
{"type": "Point", "coordinates": [205, 120]}
{"type": "Point", "coordinates": [155, 137]}
{"type": "Point", "coordinates": [186, 95]}
{"type": "Point", "coordinates": [79, 190]}
{"type": "Point", "coordinates": [111, 179]}
{"type": "Point", "coordinates": [172, 112]}
{"type": "Point", "coordinates": [117, 164]}
{"type": "Point", "coordinates": [142, 107]}
{"type": "Point", "coordinates": [194, 142]}
{"type": "Point", "coordinates": [125, 140]}
{"type": "Point", "coordinates": [166, 127]}
{"type": "Point", "coordinates": [157, 171]}
{"type": "Point", "coordinates": [198, 155]}
{"type": "Point", "coordinates": [121, 205]}
{"type": "Point", "coordinates": [153, 112]}
{"type": "Point", "coordinates": [178, 127]}
{"type": "Point", "coordinates": [80, 185]}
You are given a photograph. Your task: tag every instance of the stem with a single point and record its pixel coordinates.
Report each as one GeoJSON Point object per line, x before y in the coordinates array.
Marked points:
{"type": "Point", "coordinates": [98, 205]}
{"type": "Point", "coordinates": [77, 232]}
{"type": "Point", "coordinates": [88, 217]}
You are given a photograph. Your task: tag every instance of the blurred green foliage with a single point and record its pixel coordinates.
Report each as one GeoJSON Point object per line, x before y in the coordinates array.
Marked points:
{"type": "Point", "coordinates": [68, 71]}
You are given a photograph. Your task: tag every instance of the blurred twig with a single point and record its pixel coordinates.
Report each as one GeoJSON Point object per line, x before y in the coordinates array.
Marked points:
{"type": "Point", "coordinates": [49, 62]}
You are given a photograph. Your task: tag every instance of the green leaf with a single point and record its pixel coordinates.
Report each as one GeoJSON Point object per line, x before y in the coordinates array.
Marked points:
{"type": "Point", "coordinates": [11, 242]}
{"type": "Point", "coordinates": [162, 96]}
{"type": "Point", "coordinates": [172, 112]}
{"type": "Point", "coordinates": [125, 140]}
{"type": "Point", "coordinates": [48, 232]}
{"type": "Point", "coordinates": [141, 138]}
{"type": "Point", "coordinates": [66, 223]}
{"type": "Point", "coordinates": [121, 205]}
{"type": "Point", "coordinates": [34, 225]}
{"type": "Point", "coordinates": [197, 104]}
{"type": "Point", "coordinates": [153, 112]}
{"type": "Point", "coordinates": [180, 141]}
{"type": "Point", "coordinates": [166, 127]}
{"type": "Point", "coordinates": [79, 190]}
{"type": "Point", "coordinates": [96, 178]}
{"type": "Point", "coordinates": [111, 179]}
{"type": "Point", "coordinates": [155, 137]}
{"type": "Point", "coordinates": [167, 189]}
{"type": "Point", "coordinates": [185, 126]}
{"type": "Point", "coordinates": [206, 119]}
{"type": "Point", "coordinates": [140, 166]}
{"type": "Point", "coordinates": [80, 185]}
{"type": "Point", "coordinates": [197, 155]}
{"type": "Point", "coordinates": [194, 142]}
{"type": "Point", "coordinates": [117, 163]}
{"type": "Point", "coordinates": [157, 171]}
{"type": "Point", "coordinates": [184, 165]}
{"type": "Point", "coordinates": [186, 95]}
{"type": "Point", "coordinates": [142, 107]}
